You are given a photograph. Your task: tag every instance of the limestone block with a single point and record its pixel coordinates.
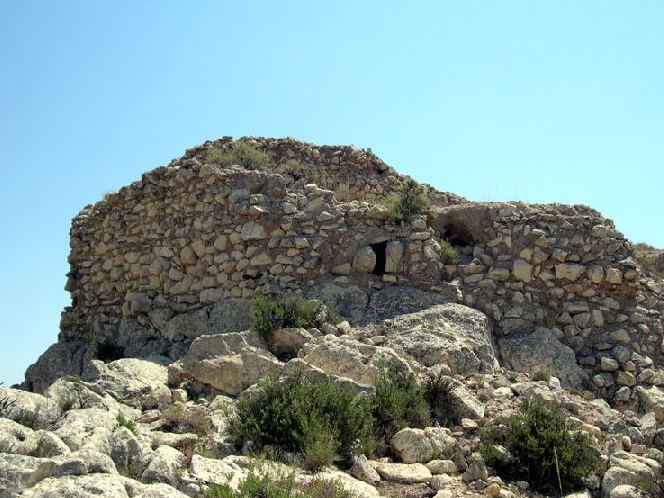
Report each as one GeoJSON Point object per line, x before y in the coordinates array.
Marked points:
{"type": "Point", "coordinates": [614, 276]}
{"type": "Point", "coordinates": [165, 466]}
{"type": "Point", "coordinates": [409, 473]}
{"type": "Point", "coordinates": [188, 256]}
{"type": "Point", "coordinates": [412, 445]}
{"type": "Point", "coordinates": [365, 260]}
{"type": "Point", "coordinates": [596, 274]}
{"type": "Point", "coordinates": [498, 274]}
{"type": "Point", "coordinates": [442, 467]}
{"type": "Point", "coordinates": [253, 231]}
{"type": "Point", "coordinates": [394, 257]}
{"type": "Point", "coordinates": [541, 351]}
{"type": "Point", "coordinates": [570, 272]}
{"type": "Point", "coordinates": [522, 270]}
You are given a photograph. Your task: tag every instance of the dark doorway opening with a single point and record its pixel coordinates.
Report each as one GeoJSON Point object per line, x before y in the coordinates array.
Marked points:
{"type": "Point", "coordinates": [458, 236]}
{"type": "Point", "coordinates": [379, 249]}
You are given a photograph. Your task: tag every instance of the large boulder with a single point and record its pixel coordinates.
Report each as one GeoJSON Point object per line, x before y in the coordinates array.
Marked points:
{"type": "Point", "coordinates": [228, 362]}
{"type": "Point", "coordinates": [628, 469]}
{"type": "Point", "coordinates": [347, 357]}
{"type": "Point", "coordinates": [422, 445]}
{"type": "Point", "coordinates": [449, 334]}
{"type": "Point", "coordinates": [141, 383]}
{"type": "Point", "coordinates": [60, 359]}
{"type": "Point", "coordinates": [29, 409]}
{"type": "Point", "coordinates": [540, 351]}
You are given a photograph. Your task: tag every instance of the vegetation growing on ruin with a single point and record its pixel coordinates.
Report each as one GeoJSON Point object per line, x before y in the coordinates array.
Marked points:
{"type": "Point", "coordinates": [409, 202]}
{"type": "Point", "coordinates": [239, 153]}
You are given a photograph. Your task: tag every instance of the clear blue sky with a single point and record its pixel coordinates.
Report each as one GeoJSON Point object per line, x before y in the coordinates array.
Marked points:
{"type": "Point", "coordinates": [493, 100]}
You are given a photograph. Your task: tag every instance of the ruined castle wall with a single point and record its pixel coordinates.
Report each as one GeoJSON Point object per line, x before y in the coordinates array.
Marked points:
{"type": "Point", "coordinates": [565, 268]}
{"type": "Point", "coordinates": [184, 238]}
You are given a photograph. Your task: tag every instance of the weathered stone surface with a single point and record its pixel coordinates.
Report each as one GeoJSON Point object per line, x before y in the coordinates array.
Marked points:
{"type": "Point", "coordinates": [450, 334]}
{"type": "Point", "coordinates": [364, 260]}
{"type": "Point", "coordinates": [403, 472]}
{"type": "Point", "coordinates": [541, 351]}
{"type": "Point", "coordinates": [652, 400]}
{"type": "Point", "coordinates": [141, 383]}
{"type": "Point", "coordinates": [164, 466]}
{"type": "Point", "coordinates": [89, 428]}
{"type": "Point", "coordinates": [412, 446]}
{"type": "Point", "coordinates": [228, 362]}
{"type": "Point", "coordinates": [346, 357]}
{"type": "Point", "coordinates": [29, 409]}
{"type": "Point", "coordinates": [61, 359]}
{"type": "Point", "coordinates": [628, 469]}
{"type": "Point", "coordinates": [211, 470]}
{"type": "Point", "coordinates": [363, 470]}
{"type": "Point", "coordinates": [112, 486]}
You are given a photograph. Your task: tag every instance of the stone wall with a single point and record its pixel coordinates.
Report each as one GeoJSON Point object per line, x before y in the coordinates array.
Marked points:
{"type": "Point", "coordinates": [179, 253]}
{"type": "Point", "coordinates": [186, 237]}
{"type": "Point", "coordinates": [567, 269]}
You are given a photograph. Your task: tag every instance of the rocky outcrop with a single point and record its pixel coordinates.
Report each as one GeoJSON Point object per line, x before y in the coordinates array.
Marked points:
{"type": "Point", "coordinates": [161, 279]}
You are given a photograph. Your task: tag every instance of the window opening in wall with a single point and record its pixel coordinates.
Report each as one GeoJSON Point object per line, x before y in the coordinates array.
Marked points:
{"type": "Point", "coordinates": [458, 236]}
{"type": "Point", "coordinates": [379, 249]}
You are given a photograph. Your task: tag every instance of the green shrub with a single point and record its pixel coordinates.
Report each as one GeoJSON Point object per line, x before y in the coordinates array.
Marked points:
{"type": "Point", "coordinates": [269, 313]}
{"type": "Point", "coordinates": [240, 153]}
{"type": "Point", "coordinates": [398, 403]}
{"type": "Point", "coordinates": [256, 485]}
{"type": "Point", "coordinates": [181, 419]}
{"type": "Point", "coordinates": [314, 418]}
{"type": "Point", "coordinates": [410, 201]}
{"type": "Point", "coordinates": [129, 424]}
{"type": "Point", "coordinates": [436, 392]}
{"type": "Point", "coordinates": [537, 446]}
{"type": "Point", "coordinates": [448, 254]}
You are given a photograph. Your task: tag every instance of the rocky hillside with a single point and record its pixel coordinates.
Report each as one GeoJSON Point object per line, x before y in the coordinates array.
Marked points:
{"type": "Point", "coordinates": [247, 261]}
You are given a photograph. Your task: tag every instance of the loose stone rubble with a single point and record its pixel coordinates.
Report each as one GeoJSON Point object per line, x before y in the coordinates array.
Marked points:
{"type": "Point", "coordinates": [546, 302]}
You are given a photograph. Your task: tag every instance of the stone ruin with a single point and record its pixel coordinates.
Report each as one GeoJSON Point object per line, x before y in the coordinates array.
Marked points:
{"type": "Point", "coordinates": [180, 253]}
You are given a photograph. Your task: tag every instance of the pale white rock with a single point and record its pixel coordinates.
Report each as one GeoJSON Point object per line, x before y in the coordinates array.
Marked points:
{"type": "Point", "coordinates": [442, 467]}
{"type": "Point", "coordinates": [364, 260]}
{"type": "Point", "coordinates": [652, 400]}
{"type": "Point", "coordinates": [627, 491]}
{"type": "Point", "coordinates": [133, 381]}
{"type": "Point", "coordinates": [229, 362]}
{"type": "Point", "coordinates": [364, 470]}
{"type": "Point", "coordinates": [164, 466]}
{"type": "Point", "coordinates": [16, 438]}
{"type": "Point", "coordinates": [441, 481]}
{"type": "Point", "coordinates": [629, 469]}
{"type": "Point", "coordinates": [522, 270]}
{"type": "Point", "coordinates": [130, 455]}
{"type": "Point", "coordinates": [570, 272]}
{"type": "Point", "coordinates": [540, 350]}
{"type": "Point", "coordinates": [111, 485]}
{"type": "Point", "coordinates": [355, 487]}
{"type": "Point", "coordinates": [394, 257]}
{"type": "Point", "coordinates": [211, 470]}
{"type": "Point", "coordinates": [412, 445]}
{"type": "Point", "coordinates": [289, 340]}
{"type": "Point", "coordinates": [476, 471]}
{"type": "Point", "coordinates": [403, 472]}
{"type": "Point", "coordinates": [87, 428]}
{"type": "Point", "coordinates": [346, 357]}
{"type": "Point", "coordinates": [449, 334]}
{"type": "Point", "coordinates": [30, 409]}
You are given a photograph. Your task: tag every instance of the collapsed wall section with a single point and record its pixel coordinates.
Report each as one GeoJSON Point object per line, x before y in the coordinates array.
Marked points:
{"type": "Point", "coordinates": [567, 269]}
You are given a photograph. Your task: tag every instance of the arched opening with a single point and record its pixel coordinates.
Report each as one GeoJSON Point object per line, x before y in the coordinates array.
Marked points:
{"type": "Point", "coordinates": [458, 235]}
{"type": "Point", "coordinates": [379, 249]}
